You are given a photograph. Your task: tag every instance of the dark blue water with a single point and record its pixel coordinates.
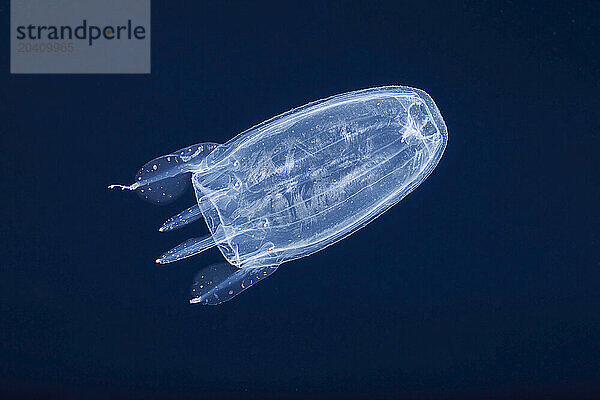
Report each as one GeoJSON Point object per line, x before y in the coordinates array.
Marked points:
{"type": "Point", "coordinates": [484, 282]}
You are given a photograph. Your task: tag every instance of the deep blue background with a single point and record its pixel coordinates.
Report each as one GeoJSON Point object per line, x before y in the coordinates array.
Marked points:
{"type": "Point", "coordinates": [485, 282]}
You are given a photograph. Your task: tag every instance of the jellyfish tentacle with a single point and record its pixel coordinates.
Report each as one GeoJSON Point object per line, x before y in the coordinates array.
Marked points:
{"type": "Point", "coordinates": [167, 177]}
{"type": "Point", "coordinates": [185, 217]}
{"type": "Point", "coordinates": [222, 282]}
{"type": "Point", "coordinates": [187, 249]}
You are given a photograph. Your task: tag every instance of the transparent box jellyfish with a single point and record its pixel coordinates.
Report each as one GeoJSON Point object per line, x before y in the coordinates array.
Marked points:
{"type": "Point", "coordinates": [296, 183]}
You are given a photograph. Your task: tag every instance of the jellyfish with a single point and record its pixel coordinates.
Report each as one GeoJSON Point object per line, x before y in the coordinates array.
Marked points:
{"type": "Point", "coordinates": [296, 183]}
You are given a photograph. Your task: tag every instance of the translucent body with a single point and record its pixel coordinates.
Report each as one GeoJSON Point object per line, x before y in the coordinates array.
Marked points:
{"type": "Point", "coordinates": [301, 181]}
{"type": "Point", "coordinates": [305, 179]}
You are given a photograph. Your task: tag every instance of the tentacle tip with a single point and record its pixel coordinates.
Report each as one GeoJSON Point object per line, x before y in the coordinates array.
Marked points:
{"type": "Point", "coordinates": [161, 229]}
{"type": "Point", "coordinates": [195, 300]}
{"type": "Point", "coordinates": [124, 187]}
{"type": "Point", "coordinates": [163, 260]}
